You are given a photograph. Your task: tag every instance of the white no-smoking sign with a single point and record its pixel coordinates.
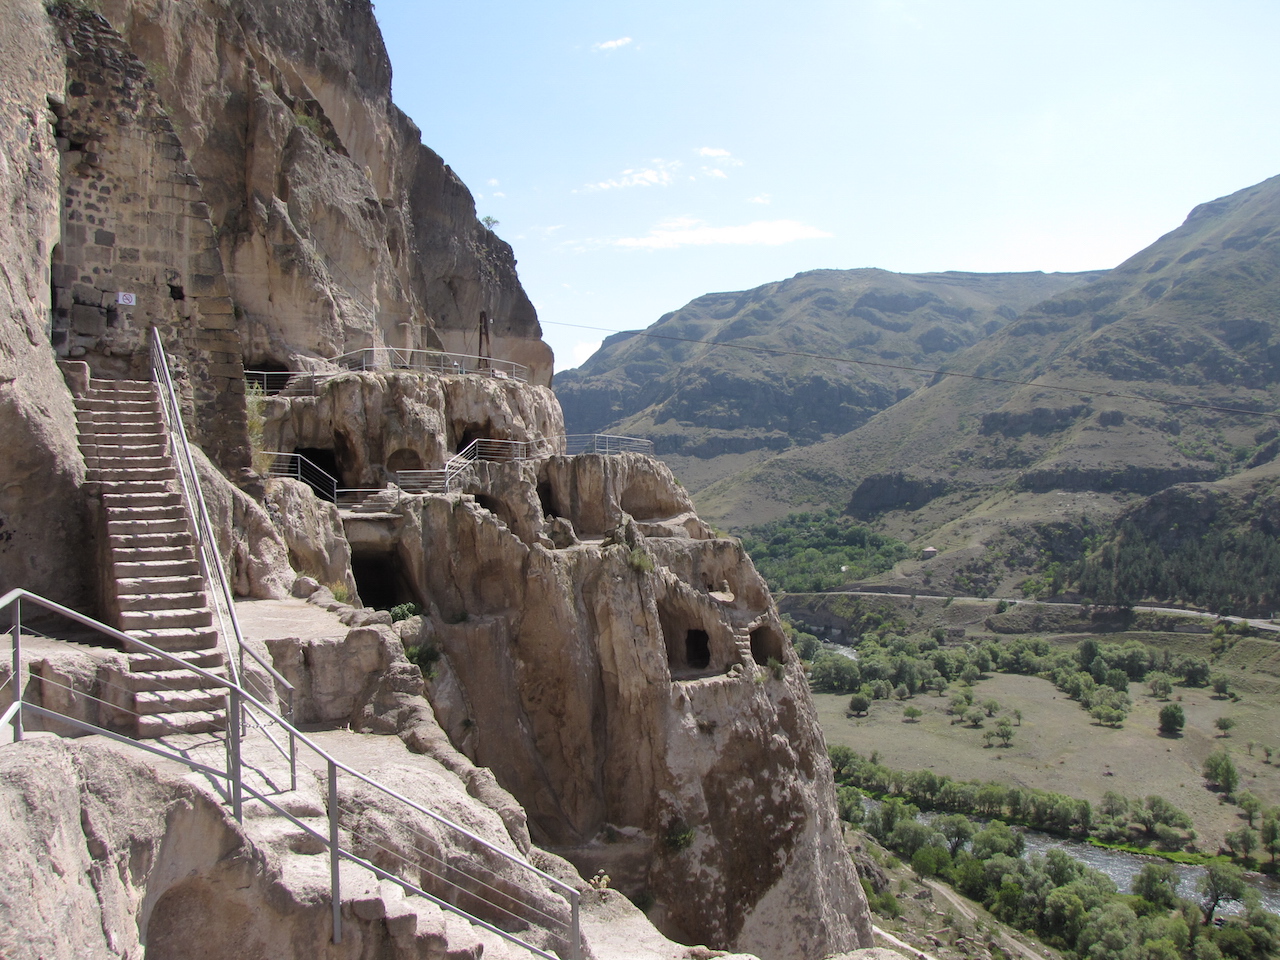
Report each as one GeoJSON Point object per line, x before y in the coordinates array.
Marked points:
{"type": "Point", "coordinates": [127, 299]}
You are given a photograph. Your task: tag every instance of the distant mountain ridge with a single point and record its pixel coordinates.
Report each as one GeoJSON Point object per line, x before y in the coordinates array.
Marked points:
{"type": "Point", "coordinates": [704, 381]}
{"type": "Point", "coordinates": [966, 463]}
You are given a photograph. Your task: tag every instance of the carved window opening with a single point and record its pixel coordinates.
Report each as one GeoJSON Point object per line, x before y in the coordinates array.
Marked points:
{"type": "Point", "coordinates": [60, 313]}
{"type": "Point", "coordinates": [766, 645]}
{"type": "Point", "coordinates": [547, 497]}
{"type": "Point", "coordinates": [689, 647]}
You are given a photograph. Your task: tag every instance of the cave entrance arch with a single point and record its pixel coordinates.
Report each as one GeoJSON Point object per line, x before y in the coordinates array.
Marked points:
{"type": "Point", "coordinates": [269, 376]}
{"type": "Point", "coordinates": [766, 645]}
{"type": "Point", "coordinates": [319, 469]}
{"type": "Point", "coordinates": [404, 459]}
{"type": "Point", "coordinates": [382, 579]}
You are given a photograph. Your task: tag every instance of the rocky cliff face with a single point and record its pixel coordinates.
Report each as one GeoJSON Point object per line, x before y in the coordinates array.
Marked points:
{"type": "Point", "coordinates": [620, 668]}
{"type": "Point", "coordinates": [234, 175]}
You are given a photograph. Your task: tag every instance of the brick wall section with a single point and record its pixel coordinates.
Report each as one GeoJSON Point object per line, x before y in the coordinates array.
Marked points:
{"type": "Point", "coordinates": [134, 222]}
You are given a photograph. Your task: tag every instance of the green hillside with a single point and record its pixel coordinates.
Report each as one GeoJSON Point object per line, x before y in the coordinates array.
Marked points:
{"type": "Point", "coordinates": [718, 385]}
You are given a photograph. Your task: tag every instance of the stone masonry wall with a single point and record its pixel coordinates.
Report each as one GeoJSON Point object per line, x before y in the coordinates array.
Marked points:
{"type": "Point", "coordinates": [134, 222]}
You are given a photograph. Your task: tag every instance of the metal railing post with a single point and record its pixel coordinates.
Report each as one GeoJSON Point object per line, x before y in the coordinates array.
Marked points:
{"type": "Point", "coordinates": [335, 859]}
{"type": "Point", "coordinates": [17, 668]}
{"type": "Point", "coordinates": [575, 943]}
{"type": "Point", "coordinates": [233, 749]}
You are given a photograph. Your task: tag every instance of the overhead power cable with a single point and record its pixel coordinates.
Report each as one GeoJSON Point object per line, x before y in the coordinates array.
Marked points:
{"type": "Point", "coordinates": [1078, 391]}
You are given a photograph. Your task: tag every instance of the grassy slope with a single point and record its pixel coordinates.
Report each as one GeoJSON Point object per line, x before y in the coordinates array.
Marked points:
{"type": "Point", "coordinates": [1058, 747]}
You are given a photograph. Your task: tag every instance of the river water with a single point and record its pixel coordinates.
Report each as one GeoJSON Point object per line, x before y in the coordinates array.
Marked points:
{"type": "Point", "coordinates": [1122, 867]}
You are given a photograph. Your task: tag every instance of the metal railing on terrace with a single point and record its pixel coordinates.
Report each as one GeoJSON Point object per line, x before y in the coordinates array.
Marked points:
{"type": "Point", "coordinates": [432, 361]}
{"type": "Point", "coordinates": [446, 478]}
{"type": "Point", "coordinates": [365, 823]}
{"type": "Point", "coordinates": [308, 383]}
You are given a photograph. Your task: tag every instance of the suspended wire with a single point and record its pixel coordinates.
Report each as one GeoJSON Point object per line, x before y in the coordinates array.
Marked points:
{"type": "Point", "coordinates": [1078, 391]}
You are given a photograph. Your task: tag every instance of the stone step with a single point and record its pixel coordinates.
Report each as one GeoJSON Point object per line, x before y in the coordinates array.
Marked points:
{"type": "Point", "coordinates": [135, 621]}
{"type": "Point", "coordinates": [208, 659]}
{"type": "Point", "coordinates": [126, 403]}
{"type": "Point", "coordinates": [172, 639]}
{"type": "Point", "coordinates": [142, 488]}
{"type": "Point", "coordinates": [110, 430]}
{"type": "Point", "coordinates": [159, 498]}
{"type": "Point", "coordinates": [156, 586]}
{"type": "Point", "coordinates": [124, 511]}
{"type": "Point", "coordinates": [118, 418]}
{"type": "Point", "coordinates": [146, 566]}
{"type": "Point", "coordinates": [169, 724]}
{"type": "Point", "coordinates": [152, 702]}
{"type": "Point", "coordinates": [140, 541]}
{"type": "Point", "coordinates": [171, 679]}
{"type": "Point", "coordinates": [157, 602]}
{"type": "Point", "coordinates": [118, 461]}
{"type": "Point", "coordinates": [131, 474]}
{"type": "Point", "coordinates": [130, 526]}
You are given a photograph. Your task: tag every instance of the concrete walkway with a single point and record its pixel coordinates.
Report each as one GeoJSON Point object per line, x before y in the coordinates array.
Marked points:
{"type": "Point", "coordinates": [276, 619]}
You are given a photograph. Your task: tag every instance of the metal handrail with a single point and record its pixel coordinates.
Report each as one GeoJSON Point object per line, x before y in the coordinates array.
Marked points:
{"type": "Point", "coordinates": [436, 361]}
{"type": "Point", "coordinates": [298, 467]}
{"type": "Point", "coordinates": [210, 561]}
{"type": "Point", "coordinates": [241, 699]}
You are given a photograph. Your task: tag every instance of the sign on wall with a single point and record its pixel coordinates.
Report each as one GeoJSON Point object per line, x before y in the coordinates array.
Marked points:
{"type": "Point", "coordinates": [128, 299]}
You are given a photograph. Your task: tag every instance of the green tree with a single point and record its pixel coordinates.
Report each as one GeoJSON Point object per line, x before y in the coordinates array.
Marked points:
{"type": "Point", "coordinates": [1172, 719]}
{"type": "Point", "coordinates": [974, 717]}
{"type": "Point", "coordinates": [859, 704]}
{"type": "Point", "coordinates": [911, 714]}
{"type": "Point", "coordinates": [1220, 769]}
{"type": "Point", "coordinates": [1250, 804]}
{"type": "Point", "coordinates": [1160, 685]}
{"type": "Point", "coordinates": [1225, 724]}
{"type": "Point", "coordinates": [1004, 730]}
{"type": "Point", "coordinates": [1157, 883]}
{"type": "Point", "coordinates": [1221, 883]}
{"type": "Point", "coordinates": [992, 707]}
{"type": "Point", "coordinates": [1221, 685]}
{"type": "Point", "coordinates": [957, 829]}
{"type": "Point", "coordinates": [1242, 842]}
{"type": "Point", "coordinates": [1270, 836]}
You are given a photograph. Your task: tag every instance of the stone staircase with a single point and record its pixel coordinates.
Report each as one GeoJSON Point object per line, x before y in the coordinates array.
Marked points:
{"type": "Point", "coordinates": [159, 592]}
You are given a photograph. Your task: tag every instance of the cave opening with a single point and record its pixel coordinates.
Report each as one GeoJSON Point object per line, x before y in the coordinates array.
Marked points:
{"type": "Point", "coordinates": [319, 469]}
{"type": "Point", "coordinates": [547, 497]}
{"type": "Point", "coordinates": [766, 645]}
{"type": "Point", "coordinates": [267, 375]}
{"type": "Point", "coordinates": [697, 649]}
{"type": "Point", "coordinates": [381, 580]}
{"type": "Point", "coordinates": [404, 459]}
{"type": "Point", "coordinates": [689, 648]}
{"type": "Point", "coordinates": [498, 508]}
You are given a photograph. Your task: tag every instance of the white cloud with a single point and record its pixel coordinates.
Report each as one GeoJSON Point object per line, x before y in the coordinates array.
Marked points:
{"type": "Point", "coordinates": [715, 173]}
{"type": "Point", "coordinates": [583, 350]}
{"type": "Point", "coordinates": [760, 198]}
{"type": "Point", "coordinates": [687, 232]}
{"type": "Point", "coordinates": [612, 44]}
{"type": "Point", "coordinates": [493, 181]}
{"type": "Point", "coordinates": [499, 193]}
{"type": "Point", "coordinates": [659, 174]}
{"type": "Point", "coordinates": [712, 152]}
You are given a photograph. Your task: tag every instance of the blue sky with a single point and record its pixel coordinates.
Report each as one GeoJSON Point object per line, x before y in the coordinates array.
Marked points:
{"type": "Point", "coordinates": [638, 155]}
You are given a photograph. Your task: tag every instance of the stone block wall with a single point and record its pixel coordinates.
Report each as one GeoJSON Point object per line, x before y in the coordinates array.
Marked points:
{"type": "Point", "coordinates": [138, 248]}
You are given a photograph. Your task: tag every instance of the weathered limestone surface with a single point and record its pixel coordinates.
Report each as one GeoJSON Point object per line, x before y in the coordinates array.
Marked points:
{"type": "Point", "coordinates": [43, 532]}
{"type": "Point", "coordinates": [254, 552]}
{"type": "Point", "coordinates": [377, 423]}
{"type": "Point", "coordinates": [635, 694]}
{"type": "Point", "coordinates": [313, 532]}
{"type": "Point", "coordinates": [338, 228]}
